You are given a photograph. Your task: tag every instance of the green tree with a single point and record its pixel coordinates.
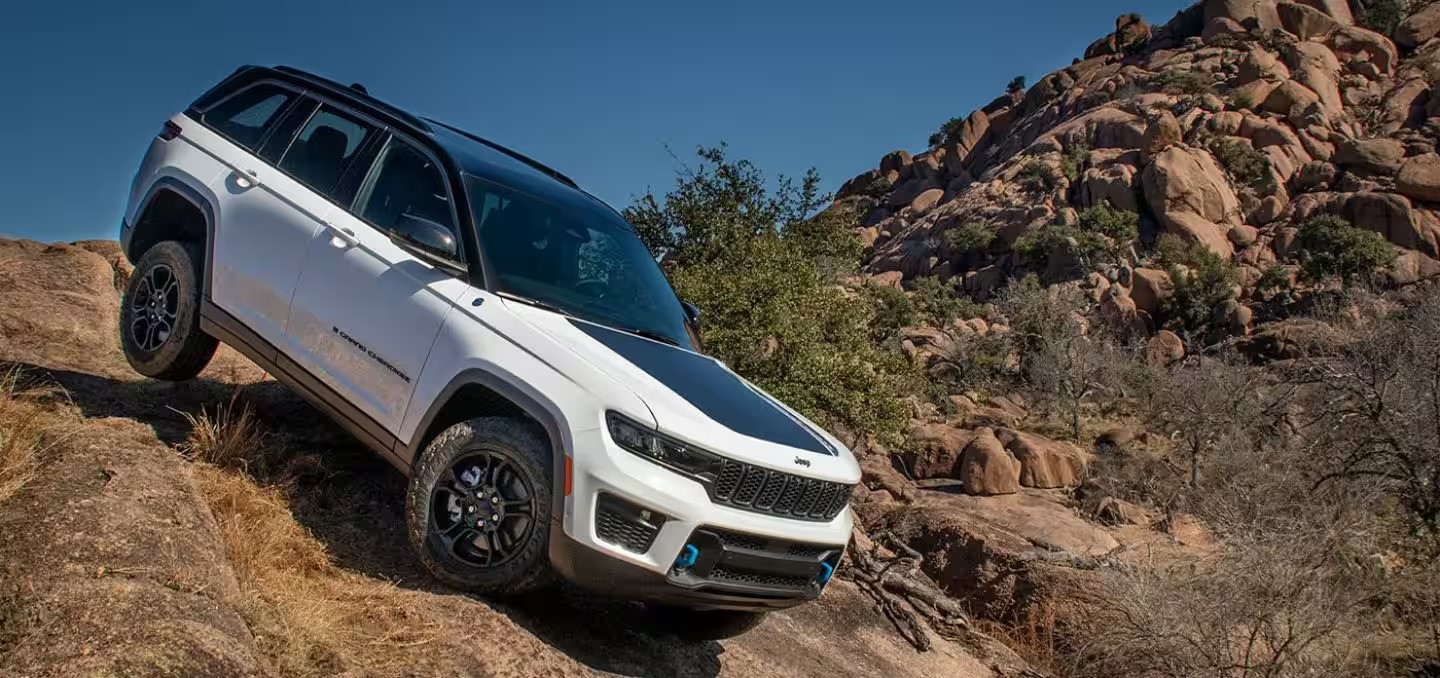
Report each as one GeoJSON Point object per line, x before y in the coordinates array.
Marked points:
{"type": "Point", "coordinates": [760, 265]}
{"type": "Point", "coordinates": [1016, 86]}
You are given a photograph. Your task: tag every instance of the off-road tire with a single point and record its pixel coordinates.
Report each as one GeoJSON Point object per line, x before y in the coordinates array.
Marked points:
{"type": "Point", "coordinates": [701, 625]}
{"type": "Point", "coordinates": [527, 450]}
{"type": "Point", "coordinates": [185, 350]}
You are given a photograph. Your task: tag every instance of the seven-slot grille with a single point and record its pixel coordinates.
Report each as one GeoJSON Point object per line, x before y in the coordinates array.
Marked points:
{"type": "Point", "coordinates": [764, 491]}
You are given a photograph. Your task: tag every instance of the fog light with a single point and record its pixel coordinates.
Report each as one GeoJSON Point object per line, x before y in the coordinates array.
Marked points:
{"type": "Point", "coordinates": [687, 557]}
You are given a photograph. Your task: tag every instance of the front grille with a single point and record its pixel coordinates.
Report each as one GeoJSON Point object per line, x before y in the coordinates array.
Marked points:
{"type": "Point", "coordinates": [725, 575]}
{"type": "Point", "coordinates": [621, 523]}
{"type": "Point", "coordinates": [778, 493]}
{"type": "Point", "coordinates": [758, 543]}
{"type": "Point", "coordinates": [744, 541]}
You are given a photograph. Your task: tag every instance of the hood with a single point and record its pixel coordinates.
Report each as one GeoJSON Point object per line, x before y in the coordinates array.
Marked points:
{"type": "Point", "coordinates": [692, 396]}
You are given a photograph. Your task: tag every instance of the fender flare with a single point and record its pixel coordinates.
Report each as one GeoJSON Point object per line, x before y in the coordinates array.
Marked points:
{"type": "Point", "coordinates": [532, 404]}
{"type": "Point", "coordinates": [191, 195]}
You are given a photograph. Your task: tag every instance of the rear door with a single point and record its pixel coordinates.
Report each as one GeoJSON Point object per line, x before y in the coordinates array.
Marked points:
{"type": "Point", "coordinates": [271, 207]}
{"type": "Point", "coordinates": [379, 282]}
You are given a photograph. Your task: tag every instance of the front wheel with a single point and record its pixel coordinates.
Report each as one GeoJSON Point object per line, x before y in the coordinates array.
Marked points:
{"type": "Point", "coordinates": [478, 507]}
{"type": "Point", "coordinates": [704, 624]}
{"type": "Point", "coordinates": [160, 315]}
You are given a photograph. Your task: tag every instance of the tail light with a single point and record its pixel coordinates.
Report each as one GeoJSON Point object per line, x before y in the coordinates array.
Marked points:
{"type": "Point", "coordinates": [169, 131]}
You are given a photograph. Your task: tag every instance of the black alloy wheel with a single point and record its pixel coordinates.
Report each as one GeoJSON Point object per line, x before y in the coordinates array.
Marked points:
{"type": "Point", "coordinates": [482, 510]}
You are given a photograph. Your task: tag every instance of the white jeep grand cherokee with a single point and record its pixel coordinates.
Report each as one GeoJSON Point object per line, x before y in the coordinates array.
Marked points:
{"type": "Point", "coordinates": [499, 335]}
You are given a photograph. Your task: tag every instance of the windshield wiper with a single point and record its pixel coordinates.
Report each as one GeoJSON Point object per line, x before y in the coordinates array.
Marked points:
{"type": "Point", "coordinates": [650, 334]}
{"type": "Point", "coordinates": [534, 302]}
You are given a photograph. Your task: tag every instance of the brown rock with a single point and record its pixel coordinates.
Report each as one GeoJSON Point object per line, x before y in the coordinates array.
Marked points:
{"type": "Point", "coordinates": [1392, 216]}
{"type": "Point", "coordinates": [1412, 267]}
{"type": "Point", "coordinates": [1315, 176]}
{"type": "Point", "coordinates": [926, 201]}
{"type": "Point", "coordinates": [1370, 156]}
{"type": "Point", "coordinates": [1194, 228]}
{"type": "Point", "coordinates": [1419, 178]}
{"type": "Point", "coordinates": [1222, 29]}
{"type": "Point", "coordinates": [1162, 133]}
{"type": "Point", "coordinates": [877, 473]}
{"type": "Point", "coordinates": [1306, 22]}
{"type": "Point", "coordinates": [1261, 12]}
{"type": "Point", "coordinates": [1418, 28]}
{"type": "Point", "coordinates": [1114, 184]}
{"type": "Point", "coordinates": [1117, 439]}
{"type": "Point", "coordinates": [1356, 45]}
{"type": "Point", "coordinates": [1260, 64]}
{"type": "Point", "coordinates": [1184, 179]}
{"type": "Point", "coordinates": [1165, 348]}
{"type": "Point", "coordinates": [1235, 316]}
{"type": "Point", "coordinates": [1045, 463]}
{"type": "Point", "coordinates": [895, 161]}
{"type": "Point", "coordinates": [1243, 236]}
{"type": "Point", "coordinates": [1113, 512]}
{"type": "Point", "coordinates": [1290, 99]}
{"type": "Point", "coordinates": [987, 467]}
{"type": "Point", "coordinates": [1270, 209]}
{"type": "Point", "coordinates": [1150, 287]}
{"type": "Point", "coordinates": [1339, 10]}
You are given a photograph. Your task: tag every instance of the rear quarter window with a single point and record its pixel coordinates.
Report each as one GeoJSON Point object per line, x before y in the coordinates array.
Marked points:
{"type": "Point", "coordinates": [247, 115]}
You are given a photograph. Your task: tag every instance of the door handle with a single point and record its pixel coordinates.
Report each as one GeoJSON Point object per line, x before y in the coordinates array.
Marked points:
{"type": "Point", "coordinates": [344, 235]}
{"type": "Point", "coordinates": [246, 178]}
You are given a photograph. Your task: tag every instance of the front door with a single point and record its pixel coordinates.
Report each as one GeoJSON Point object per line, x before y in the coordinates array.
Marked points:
{"type": "Point", "coordinates": [375, 289]}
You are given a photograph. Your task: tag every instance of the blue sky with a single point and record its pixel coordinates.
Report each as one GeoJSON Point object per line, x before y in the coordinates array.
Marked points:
{"type": "Point", "coordinates": [596, 89]}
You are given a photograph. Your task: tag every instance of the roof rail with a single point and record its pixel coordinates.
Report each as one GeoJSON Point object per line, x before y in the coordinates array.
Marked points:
{"type": "Point", "coordinates": [536, 164]}
{"type": "Point", "coordinates": [358, 91]}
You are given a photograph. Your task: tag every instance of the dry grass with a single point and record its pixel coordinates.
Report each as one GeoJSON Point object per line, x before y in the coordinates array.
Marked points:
{"type": "Point", "coordinates": [311, 617]}
{"type": "Point", "coordinates": [24, 426]}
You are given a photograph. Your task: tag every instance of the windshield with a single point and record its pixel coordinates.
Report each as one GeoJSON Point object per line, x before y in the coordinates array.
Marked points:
{"type": "Point", "coordinates": [588, 263]}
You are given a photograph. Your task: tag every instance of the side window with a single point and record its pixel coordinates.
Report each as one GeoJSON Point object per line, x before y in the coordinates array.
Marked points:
{"type": "Point", "coordinates": [324, 147]}
{"type": "Point", "coordinates": [246, 115]}
{"type": "Point", "coordinates": [408, 197]}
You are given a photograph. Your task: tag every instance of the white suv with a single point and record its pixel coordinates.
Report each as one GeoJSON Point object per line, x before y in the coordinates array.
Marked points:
{"type": "Point", "coordinates": [499, 335]}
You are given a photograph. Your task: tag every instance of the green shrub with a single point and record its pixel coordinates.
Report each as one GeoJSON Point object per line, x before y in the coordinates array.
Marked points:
{"type": "Point", "coordinates": [1201, 281]}
{"type": "Point", "coordinates": [1016, 86]}
{"type": "Point", "coordinates": [1037, 177]}
{"type": "Point", "coordinates": [1185, 82]}
{"type": "Point", "coordinates": [940, 302]}
{"type": "Point", "coordinates": [1384, 16]}
{"type": "Point", "coordinates": [1038, 244]}
{"type": "Point", "coordinates": [949, 131]}
{"type": "Point", "coordinates": [971, 236]}
{"type": "Point", "coordinates": [1120, 226]}
{"type": "Point", "coordinates": [1246, 165]}
{"type": "Point", "coordinates": [1330, 246]}
{"type": "Point", "coordinates": [1242, 102]}
{"type": "Point", "coordinates": [1072, 163]}
{"type": "Point", "coordinates": [1274, 279]}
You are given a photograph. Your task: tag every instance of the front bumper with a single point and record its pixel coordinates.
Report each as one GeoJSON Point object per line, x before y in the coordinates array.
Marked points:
{"type": "Point", "coordinates": [628, 520]}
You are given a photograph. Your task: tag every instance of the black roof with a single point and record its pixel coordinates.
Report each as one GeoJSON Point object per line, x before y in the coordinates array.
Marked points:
{"type": "Point", "coordinates": [474, 154]}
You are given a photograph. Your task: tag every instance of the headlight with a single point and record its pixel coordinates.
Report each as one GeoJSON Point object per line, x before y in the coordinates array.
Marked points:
{"type": "Point", "coordinates": [661, 450]}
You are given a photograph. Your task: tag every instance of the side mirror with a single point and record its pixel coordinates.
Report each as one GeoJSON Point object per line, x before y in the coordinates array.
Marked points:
{"type": "Point", "coordinates": [428, 234]}
{"type": "Point", "coordinates": [692, 313]}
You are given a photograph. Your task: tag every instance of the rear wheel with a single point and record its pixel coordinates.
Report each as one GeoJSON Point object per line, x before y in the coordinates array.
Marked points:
{"type": "Point", "coordinates": [478, 507]}
{"type": "Point", "coordinates": [704, 624]}
{"type": "Point", "coordinates": [160, 314]}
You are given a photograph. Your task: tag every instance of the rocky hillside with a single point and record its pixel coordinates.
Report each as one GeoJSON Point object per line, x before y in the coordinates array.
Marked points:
{"type": "Point", "coordinates": [1229, 127]}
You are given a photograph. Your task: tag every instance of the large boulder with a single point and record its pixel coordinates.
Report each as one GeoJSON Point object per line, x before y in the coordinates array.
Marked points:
{"type": "Point", "coordinates": [1045, 463]}
{"type": "Point", "coordinates": [1419, 27]}
{"type": "Point", "coordinates": [1113, 184]}
{"type": "Point", "coordinates": [960, 150]}
{"type": "Point", "coordinates": [1162, 133]}
{"type": "Point", "coordinates": [1261, 14]}
{"type": "Point", "coordinates": [987, 468]}
{"type": "Point", "coordinates": [1260, 64]}
{"type": "Point", "coordinates": [1370, 157]}
{"type": "Point", "coordinates": [1306, 22]}
{"type": "Point", "coordinates": [1149, 287]}
{"type": "Point", "coordinates": [895, 161]}
{"type": "Point", "coordinates": [60, 308]}
{"type": "Point", "coordinates": [935, 450]}
{"type": "Point", "coordinates": [1391, 216]}
{"type": "Point", "coordinates": [1339, 10]}
{"type": "Point", "coordinates": [1185, 179]}
{"type": "Point", "coordinates": [1164, 348]}
{"type": "Point", "coordinates": [1419, 178]}
{"type": "Point", "coordinates": [1412, 267]}
{"type": "Point", "coordinates": [923, 203]}
{"type": "Point", "coordinates": [1356, 45]}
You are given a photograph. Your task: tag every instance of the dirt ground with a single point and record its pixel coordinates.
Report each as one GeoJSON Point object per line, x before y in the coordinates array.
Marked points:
{"type": "Point", "coordinates": [122, 558]}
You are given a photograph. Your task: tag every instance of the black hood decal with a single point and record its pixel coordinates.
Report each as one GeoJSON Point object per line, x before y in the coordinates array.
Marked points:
{"type": "Point", "coordinates": [710, 388]}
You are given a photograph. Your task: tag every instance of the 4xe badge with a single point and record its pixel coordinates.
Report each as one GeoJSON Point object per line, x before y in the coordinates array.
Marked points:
{"type": "Point", "coordinates": [802, 462]}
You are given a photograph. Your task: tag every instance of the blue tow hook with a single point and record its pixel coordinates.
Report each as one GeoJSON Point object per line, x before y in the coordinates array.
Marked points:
{"type": "Point", "coordinates": [827, 572]}
{"type": "Point", "coordinates": [687, 557]}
